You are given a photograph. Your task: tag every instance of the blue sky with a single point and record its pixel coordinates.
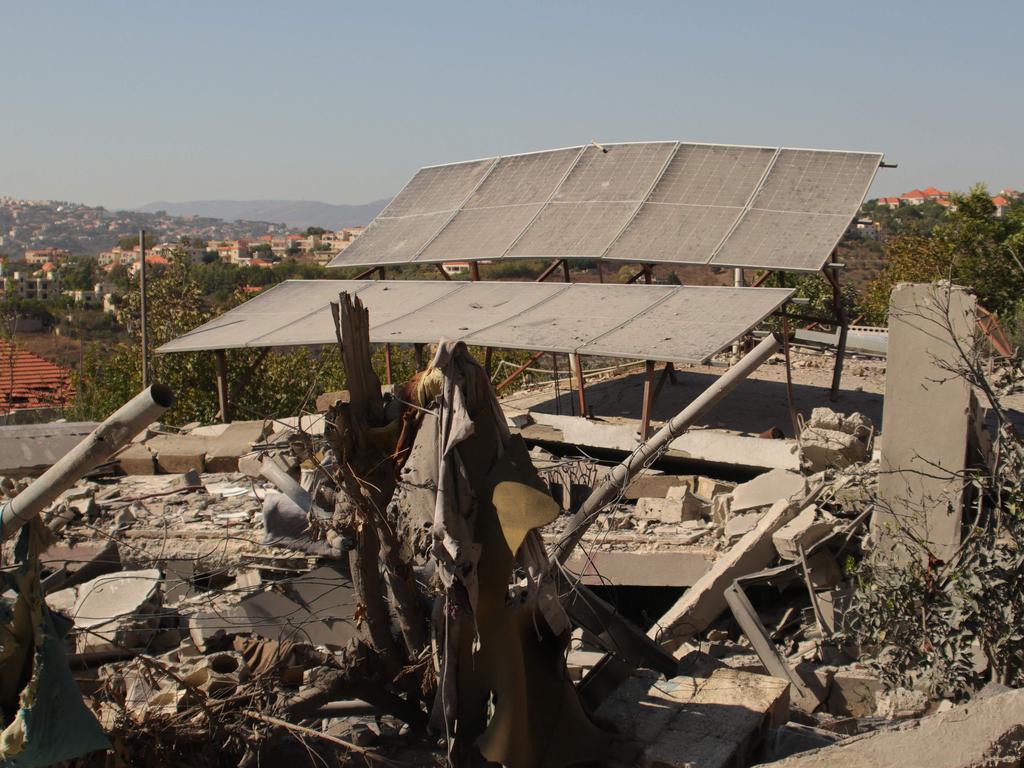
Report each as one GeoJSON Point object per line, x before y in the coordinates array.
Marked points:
{"type": "Point", "coordinates": [124, 103]}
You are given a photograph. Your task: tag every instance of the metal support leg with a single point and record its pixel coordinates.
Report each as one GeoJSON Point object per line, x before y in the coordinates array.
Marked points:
{"type": "Point", "coordinates": [418, 352]}
{"type": "Point", "coordinates": [445, 275]}
{"type": "Point", "coordinates": [220, 364]}
{"type": "Point", "coordinates": [645, 412]}
{"type": "Point", "coordinates": [387, 363]}
{"type": "Point", "coordinates": [844, 328]}
{"type": "Point", "coordinates": [547, 272]}
{"type": "Point", "coordinates": [488, 354]}
{"type": "Point", "coordinates": [515, 374]}
{"type": "Point", "coordinates": [565, 271]}
{"type": "Point", "coordinates": [581, 397]}
{"type": "Point", "coordinates": [474, 272]}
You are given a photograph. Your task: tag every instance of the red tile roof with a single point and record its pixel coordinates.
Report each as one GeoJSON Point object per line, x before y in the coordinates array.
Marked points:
{"type": "Point", "coordinates": [1000, 200]}
{"type": "Point", "coordinates": [29, 381]}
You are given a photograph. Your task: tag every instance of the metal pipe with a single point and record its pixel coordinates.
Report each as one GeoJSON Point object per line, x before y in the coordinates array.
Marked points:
{"type": "Point", "coordinates": [110, 436]}
{"type": "Point", "coordinates": [286, 484]}
{"type": "Point", "coordinates": [646, 453]}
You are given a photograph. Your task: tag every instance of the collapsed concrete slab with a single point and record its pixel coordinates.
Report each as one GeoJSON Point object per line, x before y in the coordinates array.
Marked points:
{"type": "Point", "coordinates": [702, 603]}
{"type": "Point", "coordinates": [224, 449]}
{"type": "Point", "coordinates": [117, 611]}
{"type": "Point", "coordinates": [709, 719]}
{"type": "Point", "coordinates": [985, 732]}
{"type": "Point", "coordinates": [764, 490]}
{"type": "Point", "coordinates": [805, 529]}
{"type": "Point", "coordinates": [29, 449]}
{"type": "Point", "coordinates": [177, 454]}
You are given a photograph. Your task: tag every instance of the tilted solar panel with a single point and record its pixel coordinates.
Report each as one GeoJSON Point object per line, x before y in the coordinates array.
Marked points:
{"type": "Point", "coordinates": [671, 323]}
{"type": "Point", "coordinates": [671, 202]}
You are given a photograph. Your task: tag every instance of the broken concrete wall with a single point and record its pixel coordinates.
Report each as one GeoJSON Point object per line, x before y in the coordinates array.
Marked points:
{"type": "Point", "coordinates": [925, 419]}
{"type": "Point", "coordinates": [985, 732]}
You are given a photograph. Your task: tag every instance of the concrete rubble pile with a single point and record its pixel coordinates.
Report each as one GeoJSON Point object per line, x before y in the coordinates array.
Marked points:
{"type": "Point", "coordinates": [369, 577]}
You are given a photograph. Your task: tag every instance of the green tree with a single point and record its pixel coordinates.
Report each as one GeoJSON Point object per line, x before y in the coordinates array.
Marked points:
{"type": "Point", "coordinates": [128, 242]}
{"type": "Point", "coordinates": [79, 273]}
{"type": "Point", "coordinates": [971, 246]}
{"type": "Point", "coordinates": [112, 374]}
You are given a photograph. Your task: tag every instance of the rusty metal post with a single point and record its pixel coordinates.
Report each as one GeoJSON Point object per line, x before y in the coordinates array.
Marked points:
{"type": "Point", "coordinates": [387, 363]}
{"type": "Point", "coordinates": [418, 352]}
{"type": "Point", "coordinates": [600, 272]}
{"type": "Point", "coordinates": [515, 374]}
{"type": "Point", "coordinates": [488, 354]}
{"type": "Point", "coordinates": [648, 274]}
{"type": "Point", "coordinates": [577, 368]}
{"type": "Point", "coordinates": [844, 329]}
{"type": "Point", "coordinates": [440, 268]}
{"type": "Point", "coordinates": [645, 411]}
{"type": "Point", "coordinates": [474, 272]}
{"type": "Point", "coordinates": [547, 272]}
{"type": "Point", "coordinates": [565, 271]}
{"type": "Point", "coordinates": [220, 364]}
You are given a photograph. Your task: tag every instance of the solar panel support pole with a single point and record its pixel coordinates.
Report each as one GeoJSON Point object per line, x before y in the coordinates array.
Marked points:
{"type": "Point", "coordinates": [737, 282]}
{"type": "Point", "coordinates": [547, 272]}
{"type": "Point", "coordinates": [474, 272]}
{"type": "Point", "coordinates": [142, 308]}
{"type": "Point", "coordinates": [220, 364]}
{"type": "Point", "coordinates": [844, 327]}
{"type": "Point", "coordinates": [649, 451]}
{"type": "Point", "coordinates": [515, 374]}
{"type": "Point", "coordinates": [645, 411]}
{"type": "Point", "coordinates": [577, 368]}
{"type": "Point", "coordinates": [440, 268]}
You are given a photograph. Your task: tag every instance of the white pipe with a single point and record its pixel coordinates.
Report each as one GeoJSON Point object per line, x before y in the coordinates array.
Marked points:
{"type": "Point", "coordinates": [109, 437]}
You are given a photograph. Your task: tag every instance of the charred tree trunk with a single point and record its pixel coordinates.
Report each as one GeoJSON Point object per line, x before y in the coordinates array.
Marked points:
{"type": "Point", "coordinates": [365, 443]}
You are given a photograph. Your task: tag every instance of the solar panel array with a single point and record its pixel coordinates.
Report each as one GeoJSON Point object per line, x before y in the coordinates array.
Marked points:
{"type": "Point", "coordinates": [721, 205]}
{"type": "Point", "coordinates": [670, 323]}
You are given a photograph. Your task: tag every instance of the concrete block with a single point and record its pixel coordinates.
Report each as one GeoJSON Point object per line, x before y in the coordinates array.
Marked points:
{"type": "Point", "coordinates": [702, 603]}
{"type": "Point", "coordinates": [136, 459]}
{"type": "Point", "coordinates": [643, 569]}
{"type": "Point", "coordinates": [224, 450]}
{"type": "Point", "coordinates": [708, 488]}
{"type": "Point", "coordinates": [985, 732]}
{"type": "Point", "coordinates": [656, 486]}
{"type": "Point", "coordinates": [119, 610]}
{"type": "Point", "coordinates": [689, 505]}
{"type": "Point", "coordinates": [827, 448]}
{"type": "Point", "coordinates": [738, 526]}
{"type": "Point", "coordinates": [764, 490]}
{"type": "Point", "coordinates": [712, 721]}
{"type": "Point", "coordinates": [177, 454]}
{"type": "Point", "coordinates": [854, 692]}
{"type": "Point", "coordinates": [804, 530]}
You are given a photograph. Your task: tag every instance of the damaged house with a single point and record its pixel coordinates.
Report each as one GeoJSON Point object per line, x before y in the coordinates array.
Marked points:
{"type": "Point", "coordinates": [420, 573]}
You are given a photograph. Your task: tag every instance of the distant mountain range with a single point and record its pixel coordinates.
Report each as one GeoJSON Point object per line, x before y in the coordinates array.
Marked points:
{"type": "Point", "coordinates": [297, 214]}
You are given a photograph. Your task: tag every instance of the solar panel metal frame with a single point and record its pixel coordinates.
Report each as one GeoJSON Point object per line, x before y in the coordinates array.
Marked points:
{"type": "Point", "coordinates": [814, 256]}
{"type": "Point", "coordinates": [742, 308]}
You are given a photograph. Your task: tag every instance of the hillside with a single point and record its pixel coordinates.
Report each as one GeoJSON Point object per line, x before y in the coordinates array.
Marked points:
{"type": "Point", "coordinates": [88, 230]}
{"type": "Point", "coordinates": [295, 213]}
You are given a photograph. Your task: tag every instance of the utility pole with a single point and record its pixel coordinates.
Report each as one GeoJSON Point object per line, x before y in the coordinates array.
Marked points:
{"type": "Point", "coordinates": [142, 307]}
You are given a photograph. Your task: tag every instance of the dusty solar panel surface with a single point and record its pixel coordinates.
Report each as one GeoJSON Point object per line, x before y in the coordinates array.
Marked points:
{"type": "Point", "coordinates": [667, 202]}
{"type": "Point", "coordinates": [670, 323]}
